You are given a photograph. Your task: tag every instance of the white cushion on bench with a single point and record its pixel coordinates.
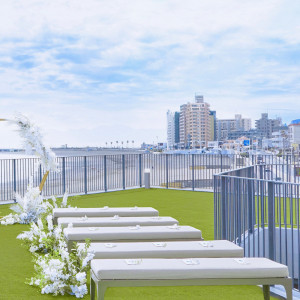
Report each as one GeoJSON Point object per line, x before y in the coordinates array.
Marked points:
{"type": "Point", "coordinates": [176, 269]}
{"type": "Point", "coordinates": [126, 233]}
{"type": "Point", "coordinates": [122, 221]}
{"type": "Point", "coordinates": [180, 249]}
{"type": "Point", "coordinates": [104, 212]}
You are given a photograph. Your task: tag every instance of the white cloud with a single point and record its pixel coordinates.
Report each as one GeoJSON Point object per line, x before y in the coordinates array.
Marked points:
{"type": "Point", "coordinates": [91, 70]}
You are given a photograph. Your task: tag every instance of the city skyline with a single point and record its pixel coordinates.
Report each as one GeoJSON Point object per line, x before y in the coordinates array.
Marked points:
{"type": "Point", "coordinates": [104, 71]}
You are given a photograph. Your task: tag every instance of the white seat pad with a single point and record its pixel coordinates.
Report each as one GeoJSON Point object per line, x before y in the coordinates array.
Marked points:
{"type": "Point", "coordinates": [104, 212]}
{"type": "Point", "coordinates": [131, 233]}
{"type": "Point", "coordinates": [169, 249]}
{"type": "Point", "coordinates": [114, 222]}
{"type": "Point", "coordinates": [177, 269]}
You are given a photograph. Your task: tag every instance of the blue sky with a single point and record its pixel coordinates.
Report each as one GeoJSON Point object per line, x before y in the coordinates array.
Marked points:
{"type": "Point", "coordinates": [91, 72]}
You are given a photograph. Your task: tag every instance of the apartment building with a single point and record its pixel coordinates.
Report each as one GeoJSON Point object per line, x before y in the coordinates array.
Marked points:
{"type": "Point", "coordinates": [266, 126]}
{"type": "Point", "coordinates": [195, 124]}
{"type": "Point", "coordinates": [225, 127]}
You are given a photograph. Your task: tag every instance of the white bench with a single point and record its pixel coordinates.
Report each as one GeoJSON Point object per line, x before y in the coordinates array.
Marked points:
{"type": "Point", "coordinates": [131, 234]}
{"type": "Point", "coordinates": [116, 221]}
{"type": "Point", "coordinates": [188, 272]}
{"type": "Point", "coordinates": [104, 212]}
{"type": "Point", "coordinates": [168, 249]}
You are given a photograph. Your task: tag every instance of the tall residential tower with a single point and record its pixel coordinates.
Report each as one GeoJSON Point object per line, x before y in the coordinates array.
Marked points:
{"type": "Point", "coordinates": [194, 124]}
{"type": "Point", "coordinates": [172, 129]}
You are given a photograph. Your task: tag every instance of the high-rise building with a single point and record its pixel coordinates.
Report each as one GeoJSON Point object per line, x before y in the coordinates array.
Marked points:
{"type": "Point", "coordinates": [266, 126]}
{"type": "Point", "coordinates": [194, 124]}
{"type": "Point", "coordinates": [213, 125]}
{"type": "Point", "coordinates": [225, 127]}
{"type": "Point", "coordinates": [172, 129]}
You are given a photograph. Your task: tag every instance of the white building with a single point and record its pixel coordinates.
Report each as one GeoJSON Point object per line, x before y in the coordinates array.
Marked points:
{"type": "Point", "coordinates": [294, 133]}
{"type": "Point", "coordinates": [170, 129]}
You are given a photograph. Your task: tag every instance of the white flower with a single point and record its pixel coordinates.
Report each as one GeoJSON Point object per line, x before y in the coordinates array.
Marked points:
{"type": "Point", "coordinates": [10, 219]}
{"type": "Point", "coordinates": [81, 277]}
{"type": "Point", "coordinates": [50, 222]}
{"type": "Point", "coordinates": [89, 257]}
{"type": "Point", "coordinates": [33, 248]}
{"type": "Point", "coordinates": [79, 291]}
{"type": "Point", "coordinates": [40, 224]}
{"type": "Point", "coordinates": [65, 200]}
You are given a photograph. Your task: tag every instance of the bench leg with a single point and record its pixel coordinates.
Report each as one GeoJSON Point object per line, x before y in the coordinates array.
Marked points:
{"type": "Point", "coordinates": [92, 289]}
{"type": "Point", "coordinates": [101, 289]}
{"type": "Point", "coordinates": [289, 290]}
{"type": "Point", "coordinates": [266, 291]}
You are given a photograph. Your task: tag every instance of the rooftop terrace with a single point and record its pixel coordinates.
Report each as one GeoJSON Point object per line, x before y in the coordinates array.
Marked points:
{"type": "Point", "coordinates": [189, 208]}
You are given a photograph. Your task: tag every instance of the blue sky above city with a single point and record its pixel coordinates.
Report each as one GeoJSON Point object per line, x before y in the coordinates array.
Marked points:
{"type": "Point", "coordinates": [91, 72]}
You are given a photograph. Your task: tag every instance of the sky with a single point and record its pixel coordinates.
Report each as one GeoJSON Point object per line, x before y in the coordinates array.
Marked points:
{"type": "Point", "coordinates": [94, 72]}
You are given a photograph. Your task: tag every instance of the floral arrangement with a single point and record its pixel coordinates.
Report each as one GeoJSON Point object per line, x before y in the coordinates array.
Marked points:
{"type": "Point", "coordinates": [43, 236]}
{"type": "Point", "coordinates": [28, 208]}
{"type": "Point", "coordinates": [57, 271]}
{"type": "Point", "coordinates": [63, 272]}
{"type": "Point", "coordinates": [33, 142]}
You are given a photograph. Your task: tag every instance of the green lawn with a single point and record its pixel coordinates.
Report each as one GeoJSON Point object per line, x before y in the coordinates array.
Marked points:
{"type": "Point", "coordinates": [190, 208]}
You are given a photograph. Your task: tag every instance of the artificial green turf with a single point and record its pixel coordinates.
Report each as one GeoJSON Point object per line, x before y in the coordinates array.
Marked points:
{"type": "Point", "coordinates": [189, 208]}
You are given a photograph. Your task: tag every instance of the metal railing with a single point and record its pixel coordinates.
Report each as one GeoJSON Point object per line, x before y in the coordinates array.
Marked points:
{"type": "Point", "coordinates": [88, 174]}
{"type": "Point", "coordinates": [260, 214]}
{"type": "Point", "coordinates": [101, 173]}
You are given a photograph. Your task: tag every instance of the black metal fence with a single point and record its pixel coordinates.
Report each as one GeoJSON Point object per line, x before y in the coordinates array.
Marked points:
{"type": "Point", "coordinates": [260, 214]}
{"type": "Point", "coordinates": [101, 173]}
{"type": "Point", "coordinates": [88, 174]}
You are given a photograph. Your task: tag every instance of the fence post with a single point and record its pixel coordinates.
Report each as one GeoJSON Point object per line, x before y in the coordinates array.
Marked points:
{"type": "Point", "coordinates": [40, 173]}
{"type": "Point", "coordinates": [85, 176]}
{"type": "Point", "coordinates": [123, 170]}
{"type": "Point", "coordinates": [221, 163]}
{"type": "Point", "coordinates": [140, 170]}
{"type": "Point", "coordinates": [223, 209]}
{"type": "Point", "coordinates": [14, 179]}
{"type": "Point", "coordinates": [271, 219]}
{"type": "Point", "coordinates": [64, 174]}
{"type": "Point", "coordinates": [251, 200]}
{"type": "Point", "coordinates": [167, 171]}
{"type": "Point", "coordinates": [105, 174]}
{"type": "Point", "coordinates": [193, 173]}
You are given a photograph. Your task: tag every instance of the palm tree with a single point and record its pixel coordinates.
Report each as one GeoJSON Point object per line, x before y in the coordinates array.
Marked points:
{"type": "Point", "coordinates": [132, 143]}
{"type": "Point", "coordinates": [127, 143]}
{"type": "Point", "coordinates": [122, 144]}
{"type": "Point", "coordinates": [106, 144]}
{"type": "Point", "coordinates": [117, 143]}
{"type": "Point", "coordinates": [111, 144]}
